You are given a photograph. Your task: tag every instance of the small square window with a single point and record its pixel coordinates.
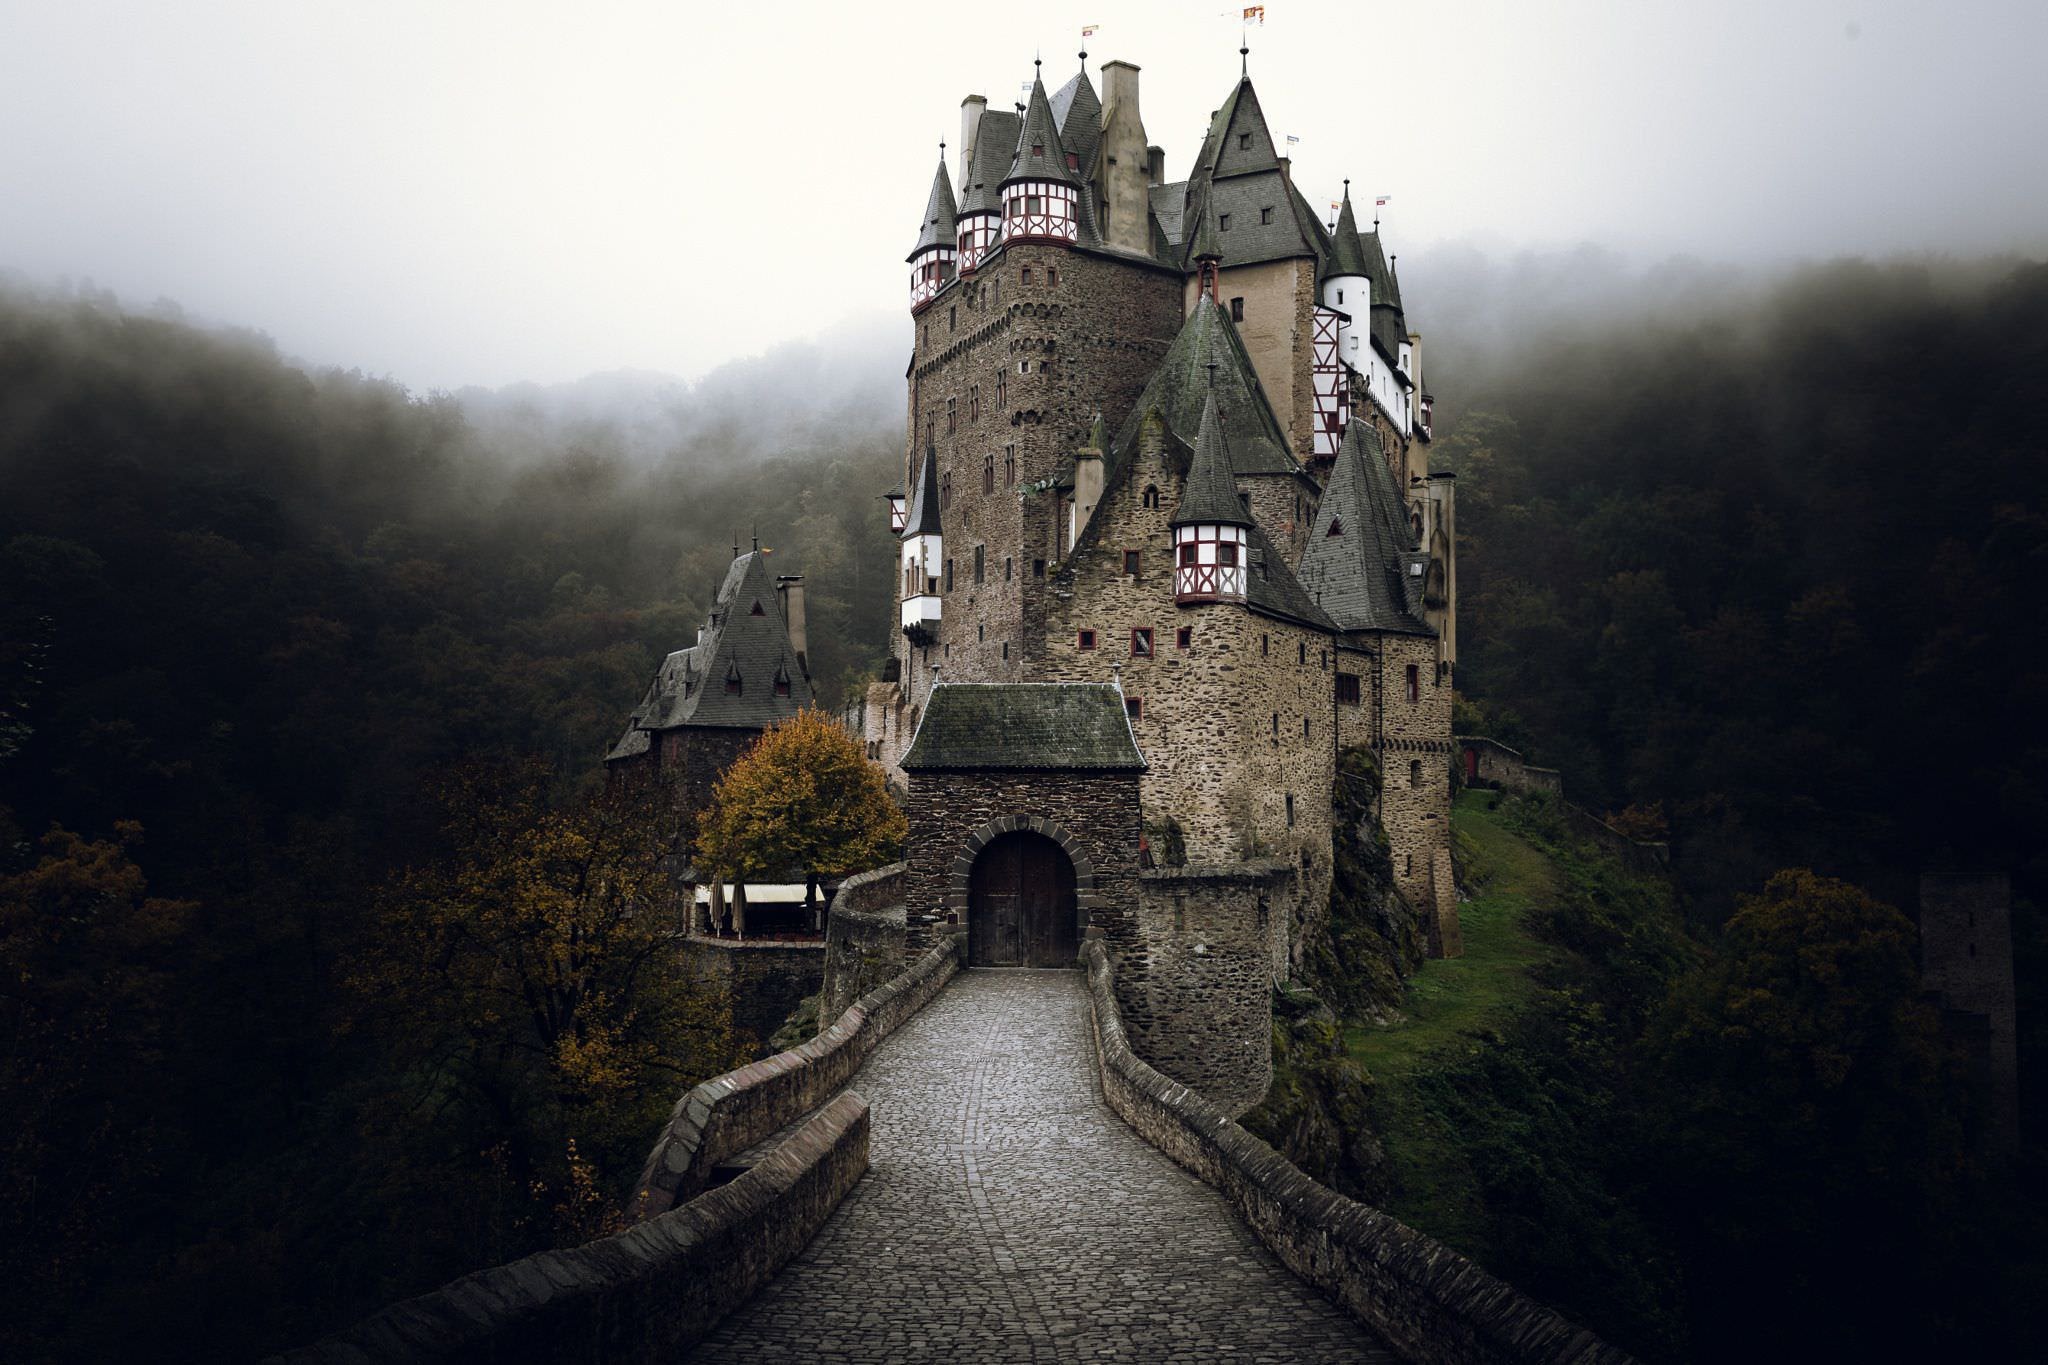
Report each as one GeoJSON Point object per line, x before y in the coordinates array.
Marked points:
{"type": "Point", "coordinates": [1086, 640]}
{"type": "Point", "coordinates": [1130, 563]}
{"type": "Point", "coordinates": [1347, 689]}
{"type": "Point", "coordinates": [1134, 707]}
{"type": "Point", "coordinates": [1052, 274]}
{"type": "Point", "coordinates": [1038, 568]}
{"type": "Point", "coordinates": [1266, 214]}
{"type": "Point", "coordinates": [1141, 642]}
{"type": "Point", "coordinates": [1244, 141]}
{"type": "Point", "coordinates": [1038, 149]}
{"type": "Point", "coordinates": [1027, 274]}
{"type": "Point", "coordinates": [1223, 222]}
{"type": "Point", "coordinates": [1184, 638]}
{"type": "Point", "coordinates": [1073, 161]}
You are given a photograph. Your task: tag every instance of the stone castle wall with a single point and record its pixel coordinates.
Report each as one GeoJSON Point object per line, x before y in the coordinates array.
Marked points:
{"type": "Point", "coordinates": [1233, 725]}
{"type": "Point", "coordinates": [1490, 761]}
{"type": "Point", "coordinates": [1082, 337]}
{"type": "Point", "coordinates": [764, 981]}
{"type": "Point", "coordinates": [1093, 815]}
{"type": "Point", "coordinates": [1278, 331]}
{"type": "Point", "coordinates": [1197, 990]}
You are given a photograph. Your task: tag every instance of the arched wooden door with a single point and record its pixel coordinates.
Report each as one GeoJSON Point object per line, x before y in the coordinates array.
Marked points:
{"type": "Point", "coordinates": [1020, 904]}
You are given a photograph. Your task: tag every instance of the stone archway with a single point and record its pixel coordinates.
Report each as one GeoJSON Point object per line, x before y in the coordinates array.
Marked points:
{"type": "Point", "coordinates": [1020, 904]}
{"type": "Point", "coordinates": [1084, 897]}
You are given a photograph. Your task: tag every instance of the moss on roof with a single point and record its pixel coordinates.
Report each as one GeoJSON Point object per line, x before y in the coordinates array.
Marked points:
{"type": "Point", "coordinates": [1041, 726]}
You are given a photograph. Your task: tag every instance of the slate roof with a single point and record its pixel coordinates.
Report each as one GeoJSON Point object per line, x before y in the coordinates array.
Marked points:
{"type": "Point", "coordinates": [1079, 114]}
{"type": "Point", "coordinates": [995, 143]}
{"type": "Point", "coordinates": [1180, 386]}
{"type": "Point", "coordinates": [938, 228]}
{"type": "Point", "coordinates": [1169, 202]}
{"type": "Point", "coordinates": [1347, 252]}
{"type": "Point", "coordinates": [923, 518]}
{"type": "Point", "coordinates": [745, 637]}
{"type": "Point", "coordinates": [1040, 130]}
{"type": "Point", "coordinates": [1363, 575]}
{"type": "Point", "coordinates": [1040, 726]}
{"type": "Point", "coordinates": [1271, 587]}
{"type": "Point", "coordinates": [1210, 495]}
{"type": "Point", "coordinates": [1269, 221]}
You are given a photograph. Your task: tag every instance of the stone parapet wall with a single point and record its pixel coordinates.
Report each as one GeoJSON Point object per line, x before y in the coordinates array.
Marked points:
{"type": "Point", "coordinates": [1429, 1303]}
{"type": "Point", "coordinates": [763, 980]}
{"type": "Point", "coordinates": [863, 939]}
{"type": "Point", "coordinates": [646, 1294]}
{"type": "Point", "coordinates": [1489, 761]}
{"type": "Point", "coordinates": [728, 1114]}
{"type": "Point", "coordinates": [1198, 987]}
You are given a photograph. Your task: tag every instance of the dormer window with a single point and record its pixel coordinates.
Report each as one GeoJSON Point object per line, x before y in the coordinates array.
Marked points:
{"type": "Point", "coordinates": [1223, 222]}
{"type": "Point", "coordinates": [732, 681]}
{"type": "Point", "coordinates": [1336, 527]}
{"type": "Point", "coordinates": [781, 682]}
{"type": "Point", "coordinates": [1038, 149]}
{"type": "Point", "coordinates": [757, 610]}
{"type": "Point", "coordinates": [1266, 214]}
{"type": "Point", "coordinates": [1244, 142]}
{"type": "Point", "coordinates": [1073, 161]}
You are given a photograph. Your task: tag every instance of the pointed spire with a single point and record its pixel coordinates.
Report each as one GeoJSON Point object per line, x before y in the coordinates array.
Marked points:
{"type": "Point", "coordinates": [937, 228]}
{"type": "Point", "coordinates": [1210, 497]}
{"type": "Point", "coordinates": [1042, 131]}
{"type": "Point", "coordinates": [1349, 252]}
{"type": "Point", "coordinates": [924, 499]}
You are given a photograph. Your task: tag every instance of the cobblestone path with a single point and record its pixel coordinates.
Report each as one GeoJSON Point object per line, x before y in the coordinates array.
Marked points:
{"type": "Point", "coordinates": [1008, 1215]}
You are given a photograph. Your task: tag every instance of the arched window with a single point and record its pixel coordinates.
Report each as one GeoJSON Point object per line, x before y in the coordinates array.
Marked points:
{"type": "Point", "coordinates": [1151, 495]}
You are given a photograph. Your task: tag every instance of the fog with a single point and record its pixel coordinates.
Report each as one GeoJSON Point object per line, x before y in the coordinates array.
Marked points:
{"type": "Point", "coordinates": [483, 194]}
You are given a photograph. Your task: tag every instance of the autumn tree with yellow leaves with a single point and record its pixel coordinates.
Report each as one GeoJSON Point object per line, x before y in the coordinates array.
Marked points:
{"type": "Point", "coordinates": [803, 798]}
{"type": "Point", "coordinates": [530, 983]}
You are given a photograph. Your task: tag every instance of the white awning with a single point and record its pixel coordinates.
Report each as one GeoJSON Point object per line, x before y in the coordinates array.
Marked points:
{"type": "Point", "coordinates": [761, 893]}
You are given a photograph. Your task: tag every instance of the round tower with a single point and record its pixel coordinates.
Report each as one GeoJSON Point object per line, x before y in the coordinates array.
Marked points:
{"type": "Point", "coordinates": [1211, 528]}
{"type": "Point", "coordinates": [1042, 192]}
{"type": "Point", "coordinates": [1347, 289]}
{"type": "Point", "coordinates": [932, 259]}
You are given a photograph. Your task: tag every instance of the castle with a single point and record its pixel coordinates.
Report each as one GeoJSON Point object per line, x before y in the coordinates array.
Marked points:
{"type": "Point", "coordinates": [1169, 544]}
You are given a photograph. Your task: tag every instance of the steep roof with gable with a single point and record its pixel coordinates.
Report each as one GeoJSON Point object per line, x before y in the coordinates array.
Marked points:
{"type": "Point", "coordinates": [1361, 560]}
{"type": "Point", "coordinates": [995, 144]}
{"type": "Point", "coordinates": [923, 518]}
{"type": "Point", "coordinates": [1237, 176]}
{"type": "Point", "coordinates": [938, 229]}
{"type": "Point", "coordinates": [1079, 114]}
{"type": "Point", "coordinates": [1024, 725]}
{"type": "Point", "coordinates": [1181, 385]}
{"type": "Point", "coordinates": [745, 638]}
{"type": "Point", "coordinates": [1210, 494]}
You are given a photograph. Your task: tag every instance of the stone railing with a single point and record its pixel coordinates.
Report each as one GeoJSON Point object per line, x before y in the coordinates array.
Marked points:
{"type": "Point", "coordinates": [864, 937]}
{"type": "Point", "coordinates": [728, 1114]}
{"type": "Point", "coordinates": [1495, 764]}
{"type": "Point", "coordinates": [646, 1294]}
{"type": "Point", "coordinates": [1426, 1301]}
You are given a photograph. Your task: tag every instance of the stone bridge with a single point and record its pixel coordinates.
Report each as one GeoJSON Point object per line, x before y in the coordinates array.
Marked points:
{"type": "Point", "coordinates": [1008, 1215]}
{"type": "Point", "coordinates": [974, 1166]}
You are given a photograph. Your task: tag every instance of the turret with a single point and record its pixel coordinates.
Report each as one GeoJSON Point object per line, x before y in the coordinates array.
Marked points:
{"type": "Point", "coordinates": [1041, 193]}
{"type": "Point", "coordinates": [899, 509]}
{"type": "Point", "coordinates": [931, 260]}
{"type": "Point", "coordinates": [923, 554]}
{"type": "Point", "coordinates": [1211, 526]}
{"type": "Point", "coordinates": [1347, 288]}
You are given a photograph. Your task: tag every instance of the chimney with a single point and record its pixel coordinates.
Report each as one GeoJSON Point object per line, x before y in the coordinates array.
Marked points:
{"type": "Point", "coordinates": [1126, 162]}
{"type": "Point", "coordinates": [971, 110]}
{"type": "Point", "coordinates": [790, 587]}
{"type": "Point", "coordinates": [1088, 475]}
{"type": "Point", "coordinates": [1155, 162]}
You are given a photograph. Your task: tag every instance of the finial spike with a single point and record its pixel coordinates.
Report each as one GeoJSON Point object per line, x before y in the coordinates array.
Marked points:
{"type": "Point", "coordinates": [1244, 57]}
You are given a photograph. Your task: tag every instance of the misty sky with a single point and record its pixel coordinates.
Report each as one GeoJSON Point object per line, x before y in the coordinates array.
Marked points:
{"type": "Point", "coordinates": [455, 192]}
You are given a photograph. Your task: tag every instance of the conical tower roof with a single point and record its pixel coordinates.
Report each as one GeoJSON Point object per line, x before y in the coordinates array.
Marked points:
{"type": "Point", "coordinates": [1078, 112]}
{"type": "Point", "coordinates": [1211, 494]}
{"type": "Point", "coordinates": [1041, 131]}
{"type": "Point", "coordinates": [924, 499]}
{"type": "Point", "coordinates": [1184, 381]}
{"type": "Point", "coordinates": [1361, 555]}
{"type": "Point", "coordinates": [1347, 252]}
{"type": "Point", "coordinates": [938, 228]}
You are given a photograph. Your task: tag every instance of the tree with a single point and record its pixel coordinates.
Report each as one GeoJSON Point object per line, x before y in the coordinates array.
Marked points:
{"type": "Point", "coordinates": [803, 797]}
{"type": "Point", "coordinates": [528, 989]}
{"type": "Point", "coordinates": [1807, 1122]}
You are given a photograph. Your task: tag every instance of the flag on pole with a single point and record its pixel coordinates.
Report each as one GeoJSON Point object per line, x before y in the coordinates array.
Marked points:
{"type": "Point", "coordinates": [1383, 200]}
{"type": "Point", "coordinates": [1292, 139]}
{"type": "Point", "coordinates": [1088, 30]}
{"type": "Point", "coordinates": [1334, 206]}
{"type": "Point", "coordinates": [1255, 14]}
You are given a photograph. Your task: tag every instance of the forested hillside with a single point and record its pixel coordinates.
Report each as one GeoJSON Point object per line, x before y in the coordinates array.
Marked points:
{"type": "Point", "coordinates": [267, 638]}
{"type": "Point", "coordinates": [1768, 568]}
